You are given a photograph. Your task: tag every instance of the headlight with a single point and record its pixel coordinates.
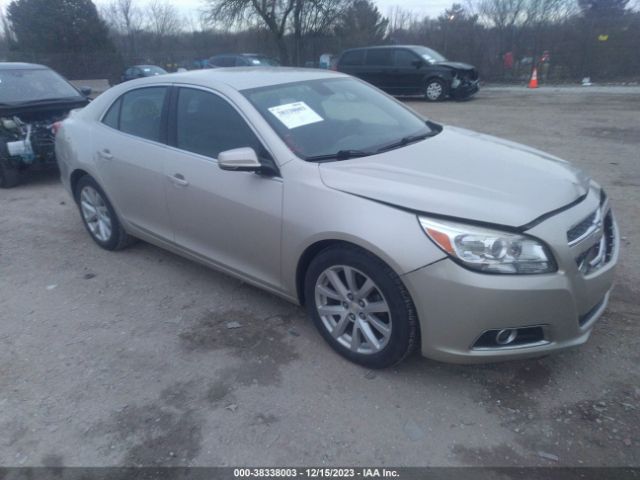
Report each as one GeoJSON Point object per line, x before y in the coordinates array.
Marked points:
{"type": "Point", "coordinates": [490, 251]}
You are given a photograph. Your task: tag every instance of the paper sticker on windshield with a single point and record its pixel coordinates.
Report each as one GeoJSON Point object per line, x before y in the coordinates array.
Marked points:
{"type": "Point", "coordinates": [295, 115]}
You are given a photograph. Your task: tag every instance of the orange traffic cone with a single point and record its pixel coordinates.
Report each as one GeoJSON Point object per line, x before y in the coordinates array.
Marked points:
{"type": "Point", "coordinates": [533, 83]}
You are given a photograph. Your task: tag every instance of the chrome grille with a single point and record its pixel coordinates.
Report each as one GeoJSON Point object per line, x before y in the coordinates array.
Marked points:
{"type": "Point", "coordinates": [597, 232]}
{"type": "Point", "coordinates": [576, 233]}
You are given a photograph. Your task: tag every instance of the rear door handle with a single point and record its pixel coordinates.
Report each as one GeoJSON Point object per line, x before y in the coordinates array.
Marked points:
{"type": "Point", "coordinates": [106, 154]}
{"type": "Point", "coordinates": [178, 179]}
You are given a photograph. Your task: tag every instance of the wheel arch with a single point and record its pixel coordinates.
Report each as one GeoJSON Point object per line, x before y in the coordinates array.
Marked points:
{"type": "Point", "coordinates": [311, 251]}
{"type": "Point", "coordinates": [75, 177]}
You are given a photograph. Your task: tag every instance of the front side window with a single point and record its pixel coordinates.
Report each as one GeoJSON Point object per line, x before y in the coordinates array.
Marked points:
{"type": "Point", "coordinates": [429, 54]}
{"type": "Point", "coordinates": [206, 124]}
{"type": "Point", "coordinates": [405, 58]}
{"type": "Point", "coordinates": [141, 112]}
{"type": "Point", "coordinates": [325, 116]}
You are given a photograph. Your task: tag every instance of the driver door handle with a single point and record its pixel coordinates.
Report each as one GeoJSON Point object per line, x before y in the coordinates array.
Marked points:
{"type": "Point", "coordinates": [178, 179]}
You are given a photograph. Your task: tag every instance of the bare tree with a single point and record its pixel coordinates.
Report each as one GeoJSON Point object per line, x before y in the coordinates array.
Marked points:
{"type": "Point", "coordinates": [399, 19]}
{"type": "Point", "coordinates": [163, 19]}
{"type": "Point", "coordinates": [125, 18]}
{"type": "Point", "coordinates": [314, 17]}
{"type": "Point", "coordinates": [273, 13]}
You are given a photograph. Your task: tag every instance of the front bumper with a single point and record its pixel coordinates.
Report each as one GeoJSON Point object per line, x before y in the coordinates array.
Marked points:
{"type": "Point", "coordinates": [466, 89]}
{"type": "Point", "coordinates": [456, 306]}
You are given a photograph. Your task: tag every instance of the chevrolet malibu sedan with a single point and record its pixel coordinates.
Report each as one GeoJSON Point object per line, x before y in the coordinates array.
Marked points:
{"type": "Point", "coordinates": [393, 231]}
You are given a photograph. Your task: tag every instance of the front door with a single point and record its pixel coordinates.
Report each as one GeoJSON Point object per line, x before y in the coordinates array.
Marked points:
{"type": "Point", "coordinates": [231, 218]}
{"type": "Point", "coordinates": [408, 72]}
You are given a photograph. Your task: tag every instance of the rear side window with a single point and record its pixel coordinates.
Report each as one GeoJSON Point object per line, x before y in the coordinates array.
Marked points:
{"type": "Point", "coordinates": [141, 112]}
{"type": "Point", "coordinates": [353, 58]}
{"type": "Point", "coordinates": [113, 115]}
{"type": "Point", "coordinates": [379, 57]}
{"type": "Point", "coordinates": [206, 124]}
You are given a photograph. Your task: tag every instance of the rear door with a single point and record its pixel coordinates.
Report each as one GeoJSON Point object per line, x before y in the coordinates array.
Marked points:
{"type": "Point", "coordinates": [130, 158]}
{"type": "Point", "coordinates": [378, 68]}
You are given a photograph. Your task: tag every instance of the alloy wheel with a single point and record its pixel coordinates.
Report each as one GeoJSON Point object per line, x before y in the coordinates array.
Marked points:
{"type": "Point", "coordinates": [95, 213]}
{"type": "Point", "coordinates": [353, 309]}
{"type": "Point", "coordinates": [434, 91]}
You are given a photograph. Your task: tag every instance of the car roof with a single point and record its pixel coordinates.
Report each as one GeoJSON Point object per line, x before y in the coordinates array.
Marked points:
{"type": "Point", "coordinates": [21, 66]}
{"type": "Point", "coordinates": [239, 55]}
{"type": "Point", "coordinates": [382, 47]}
{"type": "Point", "coordinates": [243, 78]}
{"type": "Point", "coordinates": [144, 65]}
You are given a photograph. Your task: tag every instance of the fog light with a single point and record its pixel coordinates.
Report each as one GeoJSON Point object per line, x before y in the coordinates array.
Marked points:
{"type": "Point", "coordinates": [511, 338]}
{"type": "Point", "coordinates": [506, 336]}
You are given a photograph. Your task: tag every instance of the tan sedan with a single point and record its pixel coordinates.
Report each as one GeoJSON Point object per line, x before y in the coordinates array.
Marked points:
{"type": "Point", "coordinates": [395, 232]}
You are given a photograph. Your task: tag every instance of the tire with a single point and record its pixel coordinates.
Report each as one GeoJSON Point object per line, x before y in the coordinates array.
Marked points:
{"type": "Point", "coordinates": [395, 330]}
{"type": "Point", "coordinates": [89, 194]}
{"type": "Point", "coordinates": [435, 90]}
{"type": "Point", "coordinates": [9, 175]}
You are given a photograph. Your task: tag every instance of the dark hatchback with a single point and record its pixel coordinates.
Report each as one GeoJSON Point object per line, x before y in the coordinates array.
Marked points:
{"type": "Point", "coordinates": [411, 70]}
{"type": "Point", "coordinates": [141, 71]}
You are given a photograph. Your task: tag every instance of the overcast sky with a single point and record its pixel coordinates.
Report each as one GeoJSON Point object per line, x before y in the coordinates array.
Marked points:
{"type": "Point", "coordinates": [429, 7]}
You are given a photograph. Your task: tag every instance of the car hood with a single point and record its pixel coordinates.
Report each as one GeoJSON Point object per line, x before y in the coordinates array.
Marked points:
{"type": "Point", "coordinates": [456, 65]}
{"type": "Point", "coordinates": [463, 174]}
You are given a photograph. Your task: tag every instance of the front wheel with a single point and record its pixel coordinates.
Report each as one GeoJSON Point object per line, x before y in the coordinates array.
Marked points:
{"type": "Point", "coordinates": [361, 307]}
{"type": "Point", "coordinates": [435, 90]}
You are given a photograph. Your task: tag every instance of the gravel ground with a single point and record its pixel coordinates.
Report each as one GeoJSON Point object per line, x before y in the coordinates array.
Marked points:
{"type": "Point", "coordinates": [126, 358]}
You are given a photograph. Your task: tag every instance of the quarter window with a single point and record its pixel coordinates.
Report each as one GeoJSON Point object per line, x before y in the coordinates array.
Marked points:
{"type": "Point", "coordinates": [112, 117]}
{"type": "Point", "coordinates": [206, 124]}
{"type": "Point", "coordinates": [141, 112]}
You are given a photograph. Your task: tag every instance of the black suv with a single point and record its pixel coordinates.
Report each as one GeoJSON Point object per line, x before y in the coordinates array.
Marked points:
{"type": "Point", "coordinates": [242, 60]}
{"type": "Point", "coordinates": [410, 70]}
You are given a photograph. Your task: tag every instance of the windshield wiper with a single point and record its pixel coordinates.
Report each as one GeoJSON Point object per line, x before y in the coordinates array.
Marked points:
{"type": "Point", "coordinates": [407, 140]}
{"type": "Point", "coordinates": [340, 155]}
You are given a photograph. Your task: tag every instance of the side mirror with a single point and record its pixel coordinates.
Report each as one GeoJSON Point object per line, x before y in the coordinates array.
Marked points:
{"type": "Point", "coordinates": [86, 91]}
{"type": "Point", "coordinates": [239, 160]}
{"type": "Point", "coordinates": [418, 63]}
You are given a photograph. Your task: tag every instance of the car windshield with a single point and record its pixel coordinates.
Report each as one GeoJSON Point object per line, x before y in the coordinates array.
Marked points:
{"type": "Point", "coordinates": [337, 118]}
{"type": "Point", "coordinates": [150, 70]}
{"type": "Point", "coordinates": [430, 55]}
{"type": "Point", "coordinates": [28, 85]}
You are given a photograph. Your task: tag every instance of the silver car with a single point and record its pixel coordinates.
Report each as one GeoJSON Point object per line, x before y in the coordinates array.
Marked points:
{"type": "Point", "coordinates": [393, 231]}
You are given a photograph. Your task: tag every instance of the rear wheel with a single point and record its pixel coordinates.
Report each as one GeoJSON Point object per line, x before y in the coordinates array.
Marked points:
{"type": "Point", "coordinates": [435, 90]}
{"type": "Point", "coordinates": [361, 307]}
{"type": "Point", "coordinates": [98, 216]}
{"type": "Point", "coordinates": [9, 175]}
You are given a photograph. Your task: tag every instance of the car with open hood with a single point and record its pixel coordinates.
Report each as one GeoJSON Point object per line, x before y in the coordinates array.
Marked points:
{"type": "Point", "coordinates": [32, 99]}
{"type": "Point", "coordinates": [393, 231]}
{"type": "Point", "coordinates": [411, 70]}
